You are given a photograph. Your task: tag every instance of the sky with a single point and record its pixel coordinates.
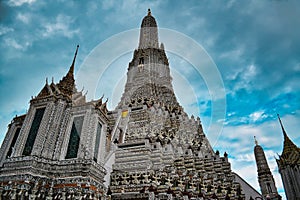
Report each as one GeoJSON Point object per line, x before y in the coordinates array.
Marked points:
{"type": "Point", "coordinates": [252, 50]}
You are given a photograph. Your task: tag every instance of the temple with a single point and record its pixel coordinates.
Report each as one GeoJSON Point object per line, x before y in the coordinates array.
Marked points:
{"type": "Point", "coordinates": [65, 147]}
{"type": "Point", "coordinates": [289, 166]}
{"type": "Point", "coordinates": [46, 153]}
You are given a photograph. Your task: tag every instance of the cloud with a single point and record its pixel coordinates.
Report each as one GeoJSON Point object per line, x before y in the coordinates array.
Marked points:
{"type": "Point", "coordinates": [4, 30]}
{"type": "Point", "coordinates": [239, 139]}
{"type": "Point", "coordinates": [20, 2]}
{"type": "Point", "coordinates": [246, 157]}
{"type": "Point", "coordinates": [243, 79]}
{"type": "Point", "coordinates": [257, 116]}
{"type": "Point", "coordinates": [234, 54]}
{"type": "Point", "coordinates": [25, 18]}
{"type": "Point", "coordinates": [61, 26]}
{"type": "Point", "coordinates": [297, 67]}
{"type": "Point", "coordinates": [108, 4]}
{"type": "Point", "coordinates": [10, 42]}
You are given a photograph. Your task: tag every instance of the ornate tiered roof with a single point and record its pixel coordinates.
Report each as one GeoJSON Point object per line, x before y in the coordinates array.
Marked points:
{"type": "Point", "coordinates": [65, 87]}
{"type": "Point", "coordinates": [67, 84]}
{"type": "Point", "coordinates": [291, 153]}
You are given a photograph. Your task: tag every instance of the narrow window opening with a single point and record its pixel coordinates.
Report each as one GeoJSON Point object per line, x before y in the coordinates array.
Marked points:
{"type": "Point", "coordinates": [141, 62]}
{"type": "Point", "coordinates": [97, 144]}
{"type": "Point", "coordinates": [75, 137]}
{"type": "Point", "coordinates": [269, 188]}
{"type": "Point", "coordinates": [13, 142]}
{"type": "Point", "coordinates": [121, 136]}
{"type": "Point", "coordinates": [33, 131]}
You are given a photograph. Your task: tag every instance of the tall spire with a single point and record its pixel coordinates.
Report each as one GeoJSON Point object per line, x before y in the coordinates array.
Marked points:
{"type": "Point", "coordinates": [149, 12]}
{"type": "Point", "coordinates": [265, 177]}
{"type": "Point", "coordinates": [67, 84]}
{"type": "Point", "coordinates": [149, 75]}
{"type": "Point", "coordinates": [283, 131]}
{"type": "Point", "coordinates": [73, 63]}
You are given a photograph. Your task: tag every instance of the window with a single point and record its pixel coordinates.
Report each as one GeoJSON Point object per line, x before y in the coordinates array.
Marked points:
{"type": "Point", "coordinates": [12, 145]}
{"type": "Point", "coordinates": [97, 144]}
{"type": "Point", "coordinates": [141, 62]}
{"type": "Point", "coordinates": [269, 189]}
{"type": "Point", "coordinates": [75, 137]}
{"type": "Point", "coordinates": [121, 136]}
{"type": "Point", "coordinates": [33, 131]}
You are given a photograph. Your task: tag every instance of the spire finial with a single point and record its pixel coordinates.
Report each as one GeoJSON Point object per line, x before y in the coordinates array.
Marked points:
{"type": "Point", "coordinates": [46, 80]}
{"type": "Point", "coordinates": [149, 12]}
{"type": "Point", "coordinates": [73, 63]}
{"type": "Point", "coordinates": [256, 143]}
{"type": "Point", "coordinates": [283, 131]}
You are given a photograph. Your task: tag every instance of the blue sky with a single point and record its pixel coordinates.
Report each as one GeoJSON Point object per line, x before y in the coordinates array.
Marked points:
{"type": "Point", "coordinates": [255, 46]}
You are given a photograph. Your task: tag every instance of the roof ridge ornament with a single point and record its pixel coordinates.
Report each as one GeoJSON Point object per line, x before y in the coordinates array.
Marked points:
{"type": "Point", "coordinates": [256, 143]}
{"type": "Point", "coordinates": [149, 12]}
{"type": "Point", "coordinates": [73, 62]}
{"type": "Point", "coordinates": [67, 84]}
{"type": "Point", "coordinates": [284, 133]}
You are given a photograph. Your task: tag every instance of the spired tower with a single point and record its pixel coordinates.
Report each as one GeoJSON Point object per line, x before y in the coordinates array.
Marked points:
{"type": "Point", "coordinates": [289, 166]}
{"type": "Point", "coordinates": [265, 177]}
{"type": "Point", "coordinates": [148, 76]}
{"type": "Point", "coordinates": [160, 152]}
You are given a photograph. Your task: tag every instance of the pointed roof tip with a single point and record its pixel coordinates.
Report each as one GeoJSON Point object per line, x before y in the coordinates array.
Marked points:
{"type": "Point", "coordinates": [283, 131]}
{"type": "Point", "coordinates": [67, 84]}
{"type": "Point", "coordinates": [73, 62]}
{"type": "Point", "coordinates": [149, 12]}
{"type": "Point", "coordinates": [256, 143]}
